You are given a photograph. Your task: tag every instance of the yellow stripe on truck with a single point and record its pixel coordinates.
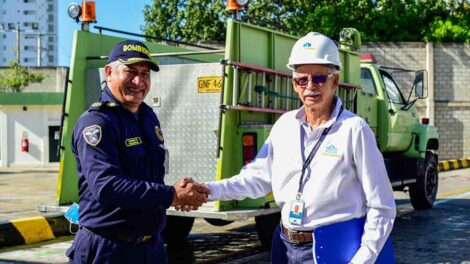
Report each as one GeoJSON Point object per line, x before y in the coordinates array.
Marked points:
{"type": "Point", "coordinates": [33, 229]}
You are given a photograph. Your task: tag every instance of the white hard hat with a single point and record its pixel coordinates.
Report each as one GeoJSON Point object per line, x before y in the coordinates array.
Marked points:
{"type": "Point", "coordinates": [314, 48]}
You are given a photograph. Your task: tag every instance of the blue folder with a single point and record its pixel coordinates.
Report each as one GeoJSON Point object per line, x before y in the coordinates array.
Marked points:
{"type": "Point", "coordinates": [339, 242]}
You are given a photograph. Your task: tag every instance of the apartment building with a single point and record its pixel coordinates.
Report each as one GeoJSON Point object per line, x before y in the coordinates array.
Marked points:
{"type": "Point", "coordinates": [35, 23]}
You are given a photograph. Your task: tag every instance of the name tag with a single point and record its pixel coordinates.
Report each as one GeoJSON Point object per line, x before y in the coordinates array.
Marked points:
{"type": "Point", "coordinates": [133, 141]}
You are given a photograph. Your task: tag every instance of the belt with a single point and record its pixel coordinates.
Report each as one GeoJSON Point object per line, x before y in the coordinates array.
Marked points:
{"type": "Point", "coordinates": [133, 239]}
{"type": "Point", "coordinates": [297, 237]}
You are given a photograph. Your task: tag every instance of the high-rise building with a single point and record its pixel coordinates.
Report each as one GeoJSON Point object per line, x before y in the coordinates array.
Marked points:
{"type": "Point", "coordinates": [35, 22]}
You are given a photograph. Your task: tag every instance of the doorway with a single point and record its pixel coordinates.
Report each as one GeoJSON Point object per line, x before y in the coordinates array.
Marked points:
{"type": "Point", "coordinates": [54, 138]}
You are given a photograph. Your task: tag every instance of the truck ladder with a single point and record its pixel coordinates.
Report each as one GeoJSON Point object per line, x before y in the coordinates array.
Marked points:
{"type": "Point", "coordinates": [260, 89]}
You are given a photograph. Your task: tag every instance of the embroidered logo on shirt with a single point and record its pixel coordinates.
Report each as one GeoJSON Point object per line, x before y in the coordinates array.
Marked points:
{"type": "Point", "coordinates": [92, 135]}
{"type": "Point", "coordinates": [158, 132]}
{"type": "Point", "coordinates": [133, 141]}
{"type": "Point", "coordinates": [331, 150]}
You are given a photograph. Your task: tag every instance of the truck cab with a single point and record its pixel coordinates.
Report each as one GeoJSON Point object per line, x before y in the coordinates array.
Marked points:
{"type": "Point", "coordinates": [409, 145]}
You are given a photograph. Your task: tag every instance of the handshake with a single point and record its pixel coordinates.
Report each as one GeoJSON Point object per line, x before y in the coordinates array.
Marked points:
{"type": "Point", "coordinates": [189, 195]}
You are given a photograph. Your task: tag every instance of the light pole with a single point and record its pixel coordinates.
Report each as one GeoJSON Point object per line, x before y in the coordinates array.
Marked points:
{"type": "Point", "coordinates": [38, 45]}
{"type": "Point", "coordinates": [18, 40]}
{"type": "Point", "coordinates": [17, 29]}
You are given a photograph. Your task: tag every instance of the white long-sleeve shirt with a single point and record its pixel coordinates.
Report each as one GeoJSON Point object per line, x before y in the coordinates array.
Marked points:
{"type": "Point", "coordinates": [346, 179]}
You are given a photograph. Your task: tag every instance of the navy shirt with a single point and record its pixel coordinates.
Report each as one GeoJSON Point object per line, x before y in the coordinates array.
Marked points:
{"type": "Point", "coordinates": [120, 161]}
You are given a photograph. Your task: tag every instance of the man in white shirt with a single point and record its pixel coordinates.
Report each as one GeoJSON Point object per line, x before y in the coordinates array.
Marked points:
{"type": "Point", "coordinates": [322, 164]}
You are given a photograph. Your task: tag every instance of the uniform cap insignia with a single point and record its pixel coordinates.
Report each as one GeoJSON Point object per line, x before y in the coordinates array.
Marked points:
{"type": "Point", "coordinates": [158, 132]}
{"type": "Point", "coordinates": [92, 135]}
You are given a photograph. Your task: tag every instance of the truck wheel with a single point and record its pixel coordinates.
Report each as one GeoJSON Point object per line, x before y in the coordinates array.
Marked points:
{"type": "Point", "coordinates": [177, 229]}
{"type": "Point", "coordinates": [217, 222]}
{"type": "Point", "coordinates": [423, 192]}
{"type": "Point", "coordinates": [265, 226]}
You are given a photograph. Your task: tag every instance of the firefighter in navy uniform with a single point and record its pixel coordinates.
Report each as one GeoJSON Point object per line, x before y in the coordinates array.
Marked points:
{"type": "Point", "coordinates": [120, 153]}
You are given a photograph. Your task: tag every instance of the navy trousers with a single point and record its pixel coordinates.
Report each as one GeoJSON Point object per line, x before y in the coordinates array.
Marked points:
{"type": "Point", "coordinates": [284, 252]}
{"type": "Point", "coordinates": [91, 248]}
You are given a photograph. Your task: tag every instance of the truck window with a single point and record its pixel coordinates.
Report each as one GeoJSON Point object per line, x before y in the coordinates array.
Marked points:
{"type": "Point", "coordinates": [392, 89]}
{"type": "Point", "coordinates": [367, 83]}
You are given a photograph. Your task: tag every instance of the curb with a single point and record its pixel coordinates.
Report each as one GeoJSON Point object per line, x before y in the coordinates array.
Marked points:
{"type": "Point", "coordinates": [454, 164]}
{"type": "Point", "coordinates": [31, 230]}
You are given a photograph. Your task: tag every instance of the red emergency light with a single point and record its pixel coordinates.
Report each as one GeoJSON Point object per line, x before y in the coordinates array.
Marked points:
{"type": "Point", "coordinates": [249, 147]}
{"type": "Point", "coordinates": [368, 57]}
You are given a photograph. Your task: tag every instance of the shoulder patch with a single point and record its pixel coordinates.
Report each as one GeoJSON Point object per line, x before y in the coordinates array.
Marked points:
{"type": "Point", "coordinates": [111, 104]}
{"type": "Point", "coordinates": [158, 132]}
{"type": "Point", "coordinates": [92, 135]}
{"type": "Point", "coordinates": [97, 104]}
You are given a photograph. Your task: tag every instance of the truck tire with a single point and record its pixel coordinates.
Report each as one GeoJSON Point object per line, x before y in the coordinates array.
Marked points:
{"type": "Point", "coordinates": [177, 229]}
{"type": "Point", "coordinates": [423, 192]}
{"type": "Point", "coordinates": [265, 226]}
{"type": "Point", "coordinates": [217, 222]}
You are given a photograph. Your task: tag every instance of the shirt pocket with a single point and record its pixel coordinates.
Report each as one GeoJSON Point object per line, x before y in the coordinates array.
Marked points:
{"type": "Point", "coordinates": [136, 161]}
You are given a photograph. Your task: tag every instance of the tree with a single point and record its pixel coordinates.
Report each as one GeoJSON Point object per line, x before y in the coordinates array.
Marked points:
{"type": "Point", "coordinates": [377, 20]}
{"type": "Point", "coordinates": [16, 78]}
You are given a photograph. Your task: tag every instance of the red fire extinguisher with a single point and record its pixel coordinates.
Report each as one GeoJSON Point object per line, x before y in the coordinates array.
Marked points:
{"type": "Point", "coordinates": [25, 145]}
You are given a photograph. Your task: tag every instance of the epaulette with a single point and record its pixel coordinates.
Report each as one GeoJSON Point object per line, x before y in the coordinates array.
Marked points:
{"type": "Point", "coordinates": [102, 105]}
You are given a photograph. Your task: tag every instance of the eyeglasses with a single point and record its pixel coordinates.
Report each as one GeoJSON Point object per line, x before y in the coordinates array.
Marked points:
{"type": "Point", "coordinates": [316, 79]}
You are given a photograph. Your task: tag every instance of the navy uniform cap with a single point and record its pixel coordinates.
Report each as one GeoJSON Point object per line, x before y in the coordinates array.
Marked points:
{"type": "Point", "coordinates": [130, 52]}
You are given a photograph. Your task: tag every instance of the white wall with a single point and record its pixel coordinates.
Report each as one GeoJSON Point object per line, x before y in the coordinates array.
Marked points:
{"type": "Point", "coordinates": [35, 121]}
{"type": "Point", "coordinates": [3, 138]}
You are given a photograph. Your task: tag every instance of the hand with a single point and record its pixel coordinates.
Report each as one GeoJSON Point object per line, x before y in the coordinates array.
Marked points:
{"type": "Point", "coordinates": [189, 195]}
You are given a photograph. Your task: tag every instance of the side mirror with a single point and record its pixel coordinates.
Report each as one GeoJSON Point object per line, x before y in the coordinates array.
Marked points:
{"type": "Point", "coordinates": [420, 84]}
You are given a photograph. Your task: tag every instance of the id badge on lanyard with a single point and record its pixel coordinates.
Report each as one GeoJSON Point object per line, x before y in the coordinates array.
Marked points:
{"type": "Point", "coordinates": [296, 212]}
{"type": "Point", "coordinates": [297, 206]}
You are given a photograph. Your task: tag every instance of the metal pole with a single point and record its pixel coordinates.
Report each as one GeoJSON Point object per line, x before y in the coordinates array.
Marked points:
{"type": "Point", "coordinates": [18, 43]}
{"type": "Point", "coordinates": [39, 49]}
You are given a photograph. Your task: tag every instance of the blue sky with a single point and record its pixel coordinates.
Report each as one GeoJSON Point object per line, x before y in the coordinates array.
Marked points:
{"type": "Point", "coordinates": [121, 14]}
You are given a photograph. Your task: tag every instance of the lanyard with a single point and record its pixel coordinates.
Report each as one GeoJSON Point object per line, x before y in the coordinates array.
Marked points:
{"type": "Point", "coordinates": [312, 154]}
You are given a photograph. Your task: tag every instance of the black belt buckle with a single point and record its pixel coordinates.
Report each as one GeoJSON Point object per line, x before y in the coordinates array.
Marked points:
{"type": "Point", "coordinates": [143, 239]}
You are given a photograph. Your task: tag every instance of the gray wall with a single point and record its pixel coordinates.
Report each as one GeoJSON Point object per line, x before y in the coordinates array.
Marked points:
{"type": "Point", "coordinates": [451, 78]}
{"type": "Point", "coordinates": [54, 79]}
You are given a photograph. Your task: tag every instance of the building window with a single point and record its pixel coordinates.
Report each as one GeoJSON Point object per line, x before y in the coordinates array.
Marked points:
{"type": "Point", "coordinates": [50, 48]}
{"type": "Point", "coordinates": [29, 47]}
{"type": "Point", "coordinates": [26, 60]}
{"type": "Point", "coordinates": [50, 27]}
{"type": "Point", "coordinates": [32, 25]}
{"type": "Point", "coordinates": [50, 7]}
{"type": "Point", "coordinates": [50, 38]}
{"type": "Point", "coordinates": [29, 12]}
{"type": "Point", "coordinates": [50, 18]}
{"type": "Point", "coordinates": [50, 58]}
{"type": "Point", "coordinates": [29, 1]}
